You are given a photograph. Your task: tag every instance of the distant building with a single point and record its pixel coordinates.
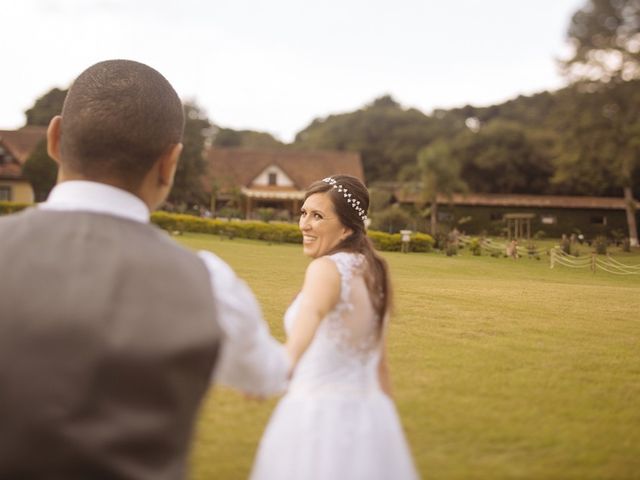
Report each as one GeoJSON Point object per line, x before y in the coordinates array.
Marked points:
{"type": "Point", "coordinates": [552, 214]}
{"type": "Point", "coordinates": [251, 179]}
{"type": "Point", "coordinates": [15, 148]}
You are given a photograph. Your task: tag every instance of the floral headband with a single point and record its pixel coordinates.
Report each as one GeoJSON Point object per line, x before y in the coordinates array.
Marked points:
{"type": "Point", "coordinates": [348, 196]}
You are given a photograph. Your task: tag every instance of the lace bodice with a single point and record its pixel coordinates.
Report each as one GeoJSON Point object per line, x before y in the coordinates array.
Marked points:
{"type": "Point", "coordinates": [345, 351]}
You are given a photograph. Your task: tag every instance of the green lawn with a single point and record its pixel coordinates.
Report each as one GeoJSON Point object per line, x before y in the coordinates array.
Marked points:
{"type": "Point", "coordinates": [501, 368]}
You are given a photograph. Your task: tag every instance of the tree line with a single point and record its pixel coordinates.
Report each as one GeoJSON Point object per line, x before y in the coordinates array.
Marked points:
{"type": "Point", "coordinates": [583, 139]}
{"type": "Point", "coordinates": [580, 140]}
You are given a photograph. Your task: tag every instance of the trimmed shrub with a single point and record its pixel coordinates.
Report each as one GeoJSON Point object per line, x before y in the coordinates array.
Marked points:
{"type": "Point", "coordinates": [12, 207]}
{"type": "Point", "coordinates": [392, 242]}
{"type": "Point", "coordinates": [388, 242]}
{"type": "Point", "coordinates": [272, 232]}
{"type": "Point", "coordinates": [475, 247]}
{"type": "Point", "coordinates": [421, 242]}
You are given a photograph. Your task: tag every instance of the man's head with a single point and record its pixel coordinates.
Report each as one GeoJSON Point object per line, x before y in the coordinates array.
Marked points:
{"type": "Point", "coordinates": [119, 120]}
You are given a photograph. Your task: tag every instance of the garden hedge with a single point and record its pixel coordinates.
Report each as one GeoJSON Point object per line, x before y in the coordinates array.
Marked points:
{"type": "Point", "coordinates": [255, 230]}
{"type": "Point", "coordinates": [274, 231]}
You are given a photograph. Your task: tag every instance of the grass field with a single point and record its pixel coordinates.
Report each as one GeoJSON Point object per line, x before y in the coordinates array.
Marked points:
{"type": "Point", "coordinates": [501, 368]}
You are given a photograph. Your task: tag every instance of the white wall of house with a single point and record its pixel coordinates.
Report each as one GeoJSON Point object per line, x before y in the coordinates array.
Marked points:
{"type": "Point", "coordinates": [272, 175]}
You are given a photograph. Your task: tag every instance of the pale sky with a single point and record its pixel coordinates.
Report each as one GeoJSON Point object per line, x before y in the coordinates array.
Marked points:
{"type": "Point", "coordinates": [275, 65]}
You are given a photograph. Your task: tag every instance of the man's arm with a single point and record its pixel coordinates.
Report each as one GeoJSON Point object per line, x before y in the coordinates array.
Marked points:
{"type": "Point", "coordinates": [251, 360]}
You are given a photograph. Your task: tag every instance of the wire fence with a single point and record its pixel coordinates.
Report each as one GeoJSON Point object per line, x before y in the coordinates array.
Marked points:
{"type": "Point", "coordinates": [557, 257]}
{"type": "Point", "coordinates": [594, 263]}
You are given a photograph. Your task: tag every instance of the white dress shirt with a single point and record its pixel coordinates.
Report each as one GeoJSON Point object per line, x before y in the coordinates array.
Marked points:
{"type": "Point", "coordinates": [250, 359]}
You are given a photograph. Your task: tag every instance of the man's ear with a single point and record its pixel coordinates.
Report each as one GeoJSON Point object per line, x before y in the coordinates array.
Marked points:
{"type": "Point", "coordinates": [168, 164]}
{"type": "Point", "coordinates": [53, 138]}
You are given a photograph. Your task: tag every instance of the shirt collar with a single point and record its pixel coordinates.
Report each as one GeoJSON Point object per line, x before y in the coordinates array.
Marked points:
{"type": "Point", "coordinates": [82, 195]}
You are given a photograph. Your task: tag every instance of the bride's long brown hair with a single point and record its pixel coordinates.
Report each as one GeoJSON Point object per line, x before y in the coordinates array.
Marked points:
{"type": "Point", "coordinates": [377, 274]}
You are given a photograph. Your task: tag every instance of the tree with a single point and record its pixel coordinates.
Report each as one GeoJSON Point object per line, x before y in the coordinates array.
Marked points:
{"type": "Point", "coordinates": [439, 174]}
{"type": "Point", "coordinates": [41, 171]}
{"type": "Point", "coordinates": [606, 38]}
{"type": "Point", "coordinates": [46, 107]}
{"type": "Point", "coordinates": [386, 135]}
{"type": "Point", "coordinates": [188, 187]}
{"type": "Point", "coordinates": [504, 157]}
{"type": "Point", "coordinates": [602, 147]}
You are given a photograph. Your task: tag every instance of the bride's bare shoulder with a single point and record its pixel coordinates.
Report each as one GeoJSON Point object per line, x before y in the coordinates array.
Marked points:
{"type": "Point", "coordinates": [323, 267]}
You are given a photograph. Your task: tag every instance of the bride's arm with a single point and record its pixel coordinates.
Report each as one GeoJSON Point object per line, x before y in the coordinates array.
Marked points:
{"type": "Point", "coordinates": [320, 293]}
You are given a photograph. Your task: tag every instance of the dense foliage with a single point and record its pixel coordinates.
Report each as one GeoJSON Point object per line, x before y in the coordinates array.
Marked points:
{"type": "Point", "coordinates": [46, 107]}
{"type": "Point", "coordinates": [605, 39]}
{"type": "Point", "coordinates": [188, 188]}
{"type": "Point", "coordinates": [386, 135]}
{"type": "Point", "coordinates": [227, 137]}
{"type": "Point", "coordinates": [548, 143]}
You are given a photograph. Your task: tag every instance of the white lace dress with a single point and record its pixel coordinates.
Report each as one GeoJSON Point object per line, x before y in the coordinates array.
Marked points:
{"type": "Point", "coordinates": [335, 422]}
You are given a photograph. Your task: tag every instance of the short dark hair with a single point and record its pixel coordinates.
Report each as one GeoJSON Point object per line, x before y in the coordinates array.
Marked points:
{"type": "Point", "coordinates": [377, 278]}
{"type": "Point", "coordinates": [119, 117]}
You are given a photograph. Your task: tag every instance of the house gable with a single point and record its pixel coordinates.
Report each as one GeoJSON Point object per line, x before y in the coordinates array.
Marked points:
{"type": "Point", "coordinates": [272, 176]}
{"type": "Point", "coordinates": [15, 148]}
{"type": "Point", "coordinates": [230, 168]}
{"type": "Point", "coordinates": [9, 165]}
{"type": "Point", "coordinates": [20, 143]}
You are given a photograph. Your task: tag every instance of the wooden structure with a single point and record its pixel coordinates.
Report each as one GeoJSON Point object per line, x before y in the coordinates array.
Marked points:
{"type": "Point", "coordinates": [519, 225]}
{"type": "Point", "coordinates": [553, 214]}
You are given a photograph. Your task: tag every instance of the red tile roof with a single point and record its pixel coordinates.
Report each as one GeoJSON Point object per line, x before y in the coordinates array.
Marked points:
{"type": "Point", "coordinates": [238, 167]}
{"type": "Point", "coordinates": [20, 143]}
{"type": "Point", "coordinates": [10, 171]}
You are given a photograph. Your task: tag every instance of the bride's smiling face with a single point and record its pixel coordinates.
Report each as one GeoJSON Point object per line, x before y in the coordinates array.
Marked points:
{"type": "Point", "coordinates": [321, 228]}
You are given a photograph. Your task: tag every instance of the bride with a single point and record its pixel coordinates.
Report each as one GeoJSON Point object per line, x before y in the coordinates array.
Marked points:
{"type": "Point", "coordinates": [337, 420]}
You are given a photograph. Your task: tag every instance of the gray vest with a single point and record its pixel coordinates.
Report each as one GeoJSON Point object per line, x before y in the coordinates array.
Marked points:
{"type": "Point", "coordinates": [108, 337]}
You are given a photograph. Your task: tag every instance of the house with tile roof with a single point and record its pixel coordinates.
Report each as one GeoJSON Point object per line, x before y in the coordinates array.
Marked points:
{"type": "Point", "coordinates": [251, 179]}
{"type": "Point", "coordinates": [15, 148]}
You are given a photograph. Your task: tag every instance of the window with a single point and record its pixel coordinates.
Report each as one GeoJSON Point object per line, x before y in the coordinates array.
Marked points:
{"type": "Point", "coordinates": [598, 220]}
{"type": "Point", "coordinates": [5, 193]}
{"type": "Point", "coordinates": [549, 219]}
{"type": "Point", "coordinates": [495, 216]}
{"type": "Point", "coordinates": [273, 178]}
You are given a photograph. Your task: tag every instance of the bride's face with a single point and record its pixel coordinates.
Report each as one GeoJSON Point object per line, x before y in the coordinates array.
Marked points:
{"type": "Point", "coordinates": [320, 226]}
